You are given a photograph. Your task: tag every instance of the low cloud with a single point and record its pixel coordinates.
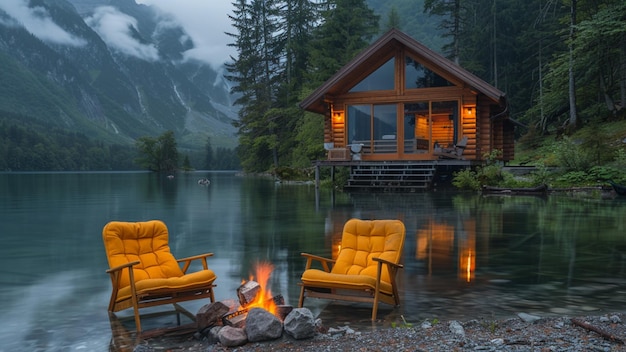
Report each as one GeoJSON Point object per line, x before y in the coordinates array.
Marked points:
{"type": "Point", "coordinates": [37, 21]}
{"type": "Point", "coordinates": [205, 22]}
{"type": "Point", "coordinates": [116, 29]}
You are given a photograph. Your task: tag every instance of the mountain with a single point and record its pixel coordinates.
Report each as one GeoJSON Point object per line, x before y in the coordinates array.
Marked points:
{"type": "Point", "coordinates": [110, 69]}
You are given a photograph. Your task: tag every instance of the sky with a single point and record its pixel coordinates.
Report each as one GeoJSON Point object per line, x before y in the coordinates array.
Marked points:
{"type": "Point", "coordinates": [204, 21]}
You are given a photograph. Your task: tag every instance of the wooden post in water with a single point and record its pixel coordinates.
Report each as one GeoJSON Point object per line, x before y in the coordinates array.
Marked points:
{"type": "Point", "coordinates": [317, 176]}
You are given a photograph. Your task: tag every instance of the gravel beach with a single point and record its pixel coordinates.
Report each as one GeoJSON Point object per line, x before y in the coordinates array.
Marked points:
{"type": "Point", "coordinates": [605, 332]}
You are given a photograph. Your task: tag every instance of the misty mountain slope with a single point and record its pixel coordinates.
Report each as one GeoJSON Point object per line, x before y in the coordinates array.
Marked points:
{"type": "Point", "coordinates": [112, 70]}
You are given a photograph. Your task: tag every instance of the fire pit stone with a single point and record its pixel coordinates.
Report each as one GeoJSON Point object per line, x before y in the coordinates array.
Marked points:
{"type": "Point", "coordinates": [232, 337]}
{"type": "Point", "coordinates": [262, 325]}
{"type": "Point", "coordinates": [300, 324]}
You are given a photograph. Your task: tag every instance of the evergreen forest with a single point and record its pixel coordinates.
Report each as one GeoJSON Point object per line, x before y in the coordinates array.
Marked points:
{"type": "Point", "coordinates": [562, 63]}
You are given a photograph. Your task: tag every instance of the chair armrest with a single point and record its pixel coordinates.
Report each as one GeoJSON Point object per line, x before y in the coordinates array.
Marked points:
{"type": "Point", "coordinates": [188, 261]}
{"type": "Point", "coordinates": [392, 269]}
{"type": "Point", "coordinates": [120, 267]}
{"type": "Point", "coordinates": [115, 274]}
{"type": "Point", "coordinates": [311, 257]}
{"type": "Point", "coordinates": [195, 257]}
{"type": "Point", "coordinates": [380, 260]}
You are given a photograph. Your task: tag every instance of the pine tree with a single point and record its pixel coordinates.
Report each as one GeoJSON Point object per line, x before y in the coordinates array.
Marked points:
{"type": "Point", "coordinates": [272, 41]}
{"type": "Point", "coordinates": [255, 72]}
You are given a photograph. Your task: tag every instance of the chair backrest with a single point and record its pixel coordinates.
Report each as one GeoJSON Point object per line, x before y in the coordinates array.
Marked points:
{"type": "Point", "coordinates": [460, 146]}
{"type": "Point", "coordinates": [363, 240]}
{"type": "Point", "coordinates": [146, 242]}
{"type": "Point", "coordinates": [462, 143]}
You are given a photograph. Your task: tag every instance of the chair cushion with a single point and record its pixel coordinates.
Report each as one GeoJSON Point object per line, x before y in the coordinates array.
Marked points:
{"type": "Point", "coordinates": [319, 278]}
{"type": "Point", "coordinates": [198, 279]}
{"type": "Point", "coordinates": [144, 241]}
{"type": "Point", "coordinates": [364, 240]}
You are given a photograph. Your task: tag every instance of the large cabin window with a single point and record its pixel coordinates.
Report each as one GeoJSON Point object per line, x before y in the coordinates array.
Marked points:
{"type": "Point", "coordinates": [359, 123]}
{"type": "Point", "coordinates": [418, 76]}
{"type": "Point", "coordinates": [381, 79]}
{"type": "Point", "coordinates": [373, 126]}
{"type": "Point", "coordinates": [426, 124]}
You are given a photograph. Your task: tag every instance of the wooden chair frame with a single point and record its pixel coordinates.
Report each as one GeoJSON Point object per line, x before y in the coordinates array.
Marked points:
{"type": "Point", "coordinates": [139, 299]}
{"type": "Point", "coordinates": [349, 292]}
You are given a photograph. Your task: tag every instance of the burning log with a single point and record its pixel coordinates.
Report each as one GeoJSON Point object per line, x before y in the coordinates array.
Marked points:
{"type": "Point", "coordinates": [210, 314]}
{"type": "Point", "coordinates": [237, 318]}
{"type": "Point", "coordinates": [247, 292]}
{"type": "Point", "coordinates": [253, 294]}
{"type": "Point", "coordinates": [282, 311]}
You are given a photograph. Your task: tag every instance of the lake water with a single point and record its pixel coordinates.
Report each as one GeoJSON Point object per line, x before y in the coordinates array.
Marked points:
{"type": "Point", "coordinates": [544, 256]}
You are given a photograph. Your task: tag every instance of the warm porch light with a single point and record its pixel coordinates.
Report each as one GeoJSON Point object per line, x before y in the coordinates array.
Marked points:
{"type": "Point", "coordinates": [337, 117]}
{"type": "Point", "coordinates": [469, 110]}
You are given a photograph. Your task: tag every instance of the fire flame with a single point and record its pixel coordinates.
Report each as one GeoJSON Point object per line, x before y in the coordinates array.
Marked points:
{"type": "Point", "coordinates": [264, 298]}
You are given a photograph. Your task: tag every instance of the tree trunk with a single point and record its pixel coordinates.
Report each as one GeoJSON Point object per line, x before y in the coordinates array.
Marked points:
{"type": "Point", "coordinates": [622, 83]}
{"type": "Point", "coordinates": [573, 118]}
{"type": "Point", "coordinates": [543, 119]}
{"type": "Point", "coordinates": [457, 30]}
{"type": "Point", "coordinates": [495, 56]}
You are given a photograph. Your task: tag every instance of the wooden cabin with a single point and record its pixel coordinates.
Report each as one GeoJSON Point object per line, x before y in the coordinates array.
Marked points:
{"type": "Point", "coordinates": [398, 100]}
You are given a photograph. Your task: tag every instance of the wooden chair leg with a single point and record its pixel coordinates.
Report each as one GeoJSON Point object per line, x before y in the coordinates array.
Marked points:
{"type": "Point", "coordinates": [301, 301]}
{"type": "Point", "coordinates": [136, 311]}
{"type": "Point", "coordinates": [375, 306]}
{"type": "Point", "coordinates": [137, 321]}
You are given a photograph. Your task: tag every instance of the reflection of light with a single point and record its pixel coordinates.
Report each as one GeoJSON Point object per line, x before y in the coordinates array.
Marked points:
{"type": "Point", "coordinates": [336, 250]}
{"type": "Point", "coordinates": [469, 266]}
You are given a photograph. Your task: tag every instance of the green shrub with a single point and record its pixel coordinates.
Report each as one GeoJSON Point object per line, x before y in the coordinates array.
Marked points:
{"type": "Point", "coordinates": [601, 173]}
{"type": "Point", "coordinates": [466, 179]}
{"type": "Point", "coordinates": [573, 178]}
{"type": "Point", "coordinates": [541, 175]}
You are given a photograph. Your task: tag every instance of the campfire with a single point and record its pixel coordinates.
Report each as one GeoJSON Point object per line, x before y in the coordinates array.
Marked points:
{"type": "Point", "coordinates": [255, 315]}
{"type": "Point", "coordinates": [254, 293]}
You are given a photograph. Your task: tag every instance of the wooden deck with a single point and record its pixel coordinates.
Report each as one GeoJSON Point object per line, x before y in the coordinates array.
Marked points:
{"type": "Point", "coordinates": [392, 176]}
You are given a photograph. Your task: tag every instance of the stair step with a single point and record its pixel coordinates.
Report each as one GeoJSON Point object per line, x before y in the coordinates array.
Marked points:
{"type": "Point", "coordinates": [391, 176]}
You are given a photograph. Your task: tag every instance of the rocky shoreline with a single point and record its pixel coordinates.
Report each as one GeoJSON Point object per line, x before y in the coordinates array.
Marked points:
{"type": "Point", "coordinates": [606, 332]}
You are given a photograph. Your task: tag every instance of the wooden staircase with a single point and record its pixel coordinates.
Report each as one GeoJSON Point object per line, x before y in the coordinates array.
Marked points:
{"type": "Point", "coordinates": [391, 176]}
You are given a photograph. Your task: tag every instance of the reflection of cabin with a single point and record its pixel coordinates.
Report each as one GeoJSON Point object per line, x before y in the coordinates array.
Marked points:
{"type": "Point", "coordinates": [398, 101]}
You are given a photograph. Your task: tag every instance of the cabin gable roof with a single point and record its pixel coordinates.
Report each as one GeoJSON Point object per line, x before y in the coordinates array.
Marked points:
{"type": "Point", "coordinates": [383, 49]}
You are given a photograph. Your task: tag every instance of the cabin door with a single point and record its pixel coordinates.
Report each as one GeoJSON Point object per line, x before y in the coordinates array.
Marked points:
{"type": "Point", "coordinates": [417, 128]}
{"type": "Point", "coordinates": [430, 123]}
{"type": "Point", "coordinates": [445, 122]}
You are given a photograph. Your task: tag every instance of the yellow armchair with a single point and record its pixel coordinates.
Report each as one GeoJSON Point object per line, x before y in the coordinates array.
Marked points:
{"type": "Point", "coordinates": [366, 265]}
{"type": "Point", "coordinates": [143, 271]}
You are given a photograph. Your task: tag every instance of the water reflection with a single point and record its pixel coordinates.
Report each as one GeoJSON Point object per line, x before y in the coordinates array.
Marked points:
{"type": "Point", "coordinates": [468, 256]}
{"type": "Point", "coordinates": [465, 256]}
